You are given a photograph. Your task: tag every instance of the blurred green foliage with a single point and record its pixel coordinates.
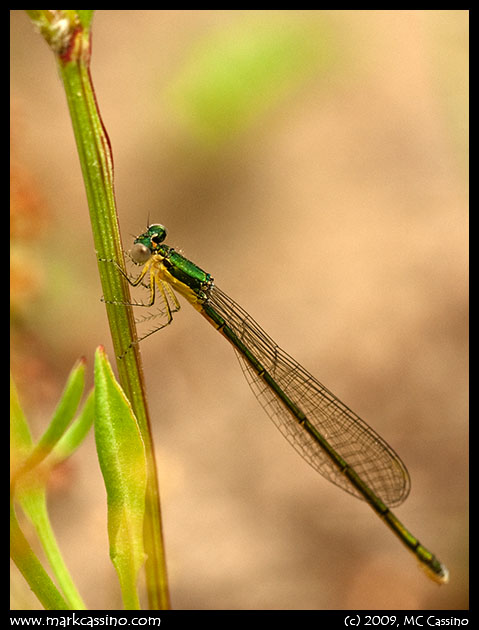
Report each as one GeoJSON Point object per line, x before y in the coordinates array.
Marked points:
{"type": "Point", "coordinates": [235, 76]}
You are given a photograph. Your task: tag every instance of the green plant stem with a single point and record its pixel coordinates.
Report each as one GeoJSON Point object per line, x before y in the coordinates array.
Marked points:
{"type": "Point", "coordinates": [73, 56]}
{"type": "Point", "coordinates": [31, 568]}
{"type": "Point", "coordinates": [49, 543]}
{"type": "Point", "coordinates": [27, 487]}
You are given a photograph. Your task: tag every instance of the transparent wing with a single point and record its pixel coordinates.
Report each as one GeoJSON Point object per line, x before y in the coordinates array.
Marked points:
{"type": "Point", "coordinates": [359, 445]}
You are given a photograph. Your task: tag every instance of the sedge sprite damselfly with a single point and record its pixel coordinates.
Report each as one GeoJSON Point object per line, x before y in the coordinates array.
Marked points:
{"type": "Point", "coordinates": [333, 439]}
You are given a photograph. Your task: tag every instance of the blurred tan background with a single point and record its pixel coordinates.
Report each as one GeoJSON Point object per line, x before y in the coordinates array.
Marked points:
{"type": "Point", "coordinates": [316, 164]}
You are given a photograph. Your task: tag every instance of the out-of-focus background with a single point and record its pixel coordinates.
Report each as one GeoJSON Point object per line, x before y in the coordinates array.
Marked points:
{"type": "Point", "coordinates": [316, 164]}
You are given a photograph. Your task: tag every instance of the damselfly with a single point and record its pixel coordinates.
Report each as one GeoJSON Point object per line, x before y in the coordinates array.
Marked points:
{"type": "Point", "coordinates": [329, 436]}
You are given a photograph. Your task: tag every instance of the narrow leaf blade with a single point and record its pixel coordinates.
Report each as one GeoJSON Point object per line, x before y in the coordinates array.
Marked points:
{"type": "Point", "coordinates": [122, 459]}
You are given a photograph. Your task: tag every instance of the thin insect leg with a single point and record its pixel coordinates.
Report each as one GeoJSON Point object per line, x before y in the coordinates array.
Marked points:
{"type": "Point", "coordinates": [134, 262]}
{"type": "Point", "coordinates": [166, 287]}
{"type": "Point", "coordinates": [134, 283]}
{"type": "Point", "coordinates": [172, 300]}
{"type": "Point", "coordinates": [166, 292]}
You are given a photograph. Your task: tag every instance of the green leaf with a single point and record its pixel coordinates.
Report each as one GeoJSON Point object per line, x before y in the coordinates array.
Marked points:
{"type": "Point", "coordinates": [76, 432]}
{"type": "Point", "coordinates": [122, 459]}
{"type": "Point", "coordinates": [61, 418]}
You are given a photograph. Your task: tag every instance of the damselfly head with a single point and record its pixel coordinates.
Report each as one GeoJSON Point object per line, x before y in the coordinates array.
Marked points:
{"type": "Point", "coordinates": [148, 243]}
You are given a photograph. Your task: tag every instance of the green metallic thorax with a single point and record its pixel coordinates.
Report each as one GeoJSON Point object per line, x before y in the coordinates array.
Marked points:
{"type": "Point", "coordinates": [184, 270]}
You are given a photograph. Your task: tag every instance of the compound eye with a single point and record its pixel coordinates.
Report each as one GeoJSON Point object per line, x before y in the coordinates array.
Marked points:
{"type": "Point", "coordinates": [157, 233]}
{"type": "Point", "coordinates": [140, 253]}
